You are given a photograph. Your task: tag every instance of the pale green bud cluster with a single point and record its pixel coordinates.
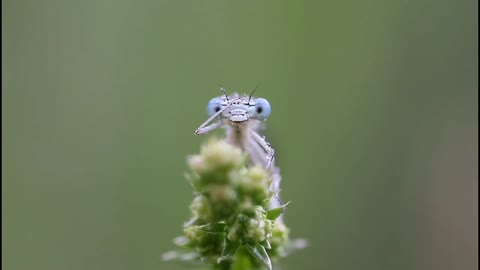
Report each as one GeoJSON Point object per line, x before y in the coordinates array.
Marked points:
{"type": "Point", "coordinates": [250, 229]}
{"type": "Point", "coordinates": [229, 215]}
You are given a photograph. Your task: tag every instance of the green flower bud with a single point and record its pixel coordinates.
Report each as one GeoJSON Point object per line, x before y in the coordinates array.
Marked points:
{"type": "Point", "coordinates": [218, 155]}
{"type": "Point", "coordinates": [280, 234]}
{"type": "Point", "coordinates": [233, 234]}
{"type": "Point", "coordinates": [201, 208]}
{"type": "Point", "coordinates": [194, 235]}
{"type": "Point", "coordinates": [228, 212]}
{"type": "Point", "coordinates": [255, 185]}
{"type": "Point", "coordinates": [223, 200]}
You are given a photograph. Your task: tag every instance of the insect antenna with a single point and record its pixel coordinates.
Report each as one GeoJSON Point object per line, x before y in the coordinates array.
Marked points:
{"type": "Point", "coordinates": [250, 97]}
{"type": "Point", "coordinates": [224, 92]}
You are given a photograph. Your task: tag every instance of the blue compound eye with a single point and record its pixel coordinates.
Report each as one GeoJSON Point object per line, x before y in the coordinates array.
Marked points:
{"type": "Point", "coordinates": [262, 109]}
{"type": "Point", "coordinates": [214, 105]}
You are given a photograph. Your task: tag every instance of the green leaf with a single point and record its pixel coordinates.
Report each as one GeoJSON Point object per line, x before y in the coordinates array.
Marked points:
{"type": "Point", "coordinates": [266, 244]}
{"type": "Point", "coordinates": [242, 260]}
{"type": "Point", "coordinates": [191, 223]}
{"type": "Point", "coordinates": [274, 213]}
{"type": "Point", "coordinates": [212, 228]}
{"type": "Point", "coordinates": [192, 180]}
{"type": "Point", "coordinates": [259, 252]}
{"type": "Point", "coordinates": [229, 249]}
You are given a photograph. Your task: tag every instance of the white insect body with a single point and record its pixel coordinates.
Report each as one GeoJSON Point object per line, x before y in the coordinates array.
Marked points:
{"type": "Point", "coordinates": [241, 116]}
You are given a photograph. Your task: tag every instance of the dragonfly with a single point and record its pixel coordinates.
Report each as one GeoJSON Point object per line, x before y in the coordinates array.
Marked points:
{"type": "Point", "coordinates": [242, 116]}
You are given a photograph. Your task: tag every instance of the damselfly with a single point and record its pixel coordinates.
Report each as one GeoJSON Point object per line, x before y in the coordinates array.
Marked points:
{"type": "Point", "coordinates": [241, 116]}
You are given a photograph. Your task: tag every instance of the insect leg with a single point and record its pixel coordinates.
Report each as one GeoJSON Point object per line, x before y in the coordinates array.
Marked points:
{"type": "Point", "coordinates": [206, 129]}
{"type": "Point", "coordinates": [257, 155]}
{"type": "Point", "coordinates": [261, 141]}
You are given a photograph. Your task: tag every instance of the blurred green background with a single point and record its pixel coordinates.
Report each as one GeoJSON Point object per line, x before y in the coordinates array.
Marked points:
{"type": "Point", "coordinates": [374, 122]}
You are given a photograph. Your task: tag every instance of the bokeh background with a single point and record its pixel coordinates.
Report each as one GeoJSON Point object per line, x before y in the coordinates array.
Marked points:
{"type": "Point", "coordinates": [374, 122]}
